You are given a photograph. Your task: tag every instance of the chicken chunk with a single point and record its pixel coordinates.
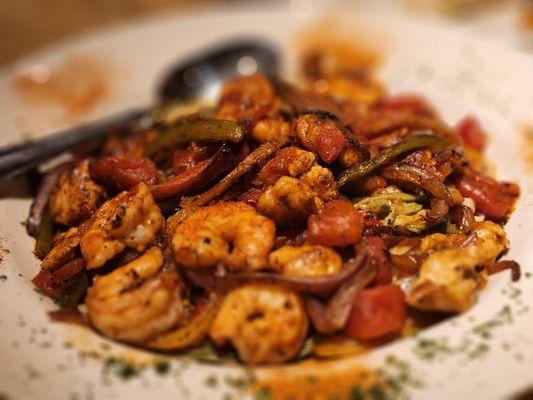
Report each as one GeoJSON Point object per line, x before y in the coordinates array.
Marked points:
{"type": "Point", "coordinates": [448, 280]}
{"type": "Point", "coordinates": [265, 323]}
{"type": "Point", "coordinates": [289, 201]}
{"type": "Point", "coordinates": [76, 196]}
{"type": "Point", "coordinates": [322, 183]}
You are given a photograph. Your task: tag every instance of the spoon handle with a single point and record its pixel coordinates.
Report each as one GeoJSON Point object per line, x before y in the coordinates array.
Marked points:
{"type": "Point", "coordinates": [19, 158]}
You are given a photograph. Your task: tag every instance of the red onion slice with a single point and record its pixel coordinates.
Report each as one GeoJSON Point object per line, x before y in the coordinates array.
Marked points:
{"type": "Point", "coordinates": [302, 284]}
{"type": "Point", "coordinates": [332, 316]}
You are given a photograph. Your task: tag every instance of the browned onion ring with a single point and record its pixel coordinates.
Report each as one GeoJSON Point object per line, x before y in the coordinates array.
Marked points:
{"type": "Point", "coordinates": [499, 266]}
{"type": "Point", "coordinates": [437, 212]}
{"type": "Point", "coordinates": [419, 177]}
{"type": "Point", "coordinates": [463, 217]}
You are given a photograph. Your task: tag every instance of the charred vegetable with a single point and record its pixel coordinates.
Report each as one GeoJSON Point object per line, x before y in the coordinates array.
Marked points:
{"type": "Point", "coordinates": [197, 129]}
{"type": "Point", "coordinates": [410, 143]}
{"type": "Point", "coordinates": [45, 235]}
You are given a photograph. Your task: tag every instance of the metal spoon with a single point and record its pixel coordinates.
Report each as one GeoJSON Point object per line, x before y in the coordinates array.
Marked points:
{"type": "Point", "coordinates": [200, 76]}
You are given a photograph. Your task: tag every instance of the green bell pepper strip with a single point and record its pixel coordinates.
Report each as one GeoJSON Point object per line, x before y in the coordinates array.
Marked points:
{"type": "Point", "coordinates": [74, 291]}
{"type": "Point", "coordinates": [45, 235]}
{"type": "Point", "coordinates": [201, 129]}
{"type": "Point", "coordinates": [408, 144]}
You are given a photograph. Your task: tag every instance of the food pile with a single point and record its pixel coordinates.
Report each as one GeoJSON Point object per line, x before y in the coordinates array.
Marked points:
{"type": "Point", "coordinates": [328, 209]}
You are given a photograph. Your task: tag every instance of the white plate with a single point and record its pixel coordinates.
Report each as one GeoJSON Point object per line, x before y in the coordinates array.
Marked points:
{"type": "Point", "coordinates": [460, 75]}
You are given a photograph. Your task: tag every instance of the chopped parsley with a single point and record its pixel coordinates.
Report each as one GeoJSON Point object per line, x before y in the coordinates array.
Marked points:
{"type": "Point", "coordinates": [263, 394]}
{"type": "Point", "coordinates": [356, 393]}
{"type": "Point", "coordinates": [431, 348]}
{"type": "Point", "coordinates": [121, 368]}
{"type": "Point", "coordinates": [503, 317]}
{"type": "Point", "coordinates": [161, 367]}
{"type": "Point", "coordinates": [211, 381]}
{"type": "Point", "coordinates": [238, 382]}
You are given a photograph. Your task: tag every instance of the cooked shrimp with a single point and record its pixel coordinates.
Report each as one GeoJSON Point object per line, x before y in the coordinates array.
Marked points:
{"type": "Point", "coordinates": [228, 233]}
{"type": "Point", "coordinates": [131, 219]}
{"type": "Point", "coordinates": [325, 136]}
{"type": "Point", "coordinates": [310, 128]}
{"type": "Point", "coordinates": [291, 200]}
{"type": "Point", "coordinates": [265, 323]}
{"type": "Point", "coordinates": [273, 130]}
{"type": "Point", "coordinates": [357, 88]}
{"type": "Point", "coordinates": [248, 98]}
{"type": "Point", "coordinates": [137, 301]}
{"type": "Point", "coordinates": [305, 260]}
{"type": "Point", "coordinates": [448, 280]}
{"type": "Point", "coordinates": [76, 196]}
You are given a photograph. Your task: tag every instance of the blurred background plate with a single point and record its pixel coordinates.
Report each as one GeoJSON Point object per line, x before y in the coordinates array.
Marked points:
{"type": "Point", "coordinates": [486, 353]}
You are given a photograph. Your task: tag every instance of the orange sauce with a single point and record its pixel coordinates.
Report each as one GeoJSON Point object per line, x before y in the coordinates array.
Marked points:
{"type": "Point", "coordinates": [77, 84]}
{"type": "Point", "coordinates": [314, 380]}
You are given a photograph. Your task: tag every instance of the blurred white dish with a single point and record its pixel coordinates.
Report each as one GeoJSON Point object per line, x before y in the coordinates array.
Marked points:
{"type": "Point", "coordinates": [459, 74]}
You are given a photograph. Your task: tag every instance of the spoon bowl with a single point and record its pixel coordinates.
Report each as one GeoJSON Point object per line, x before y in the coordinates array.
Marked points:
{"type": "Point", "coordinates": [201, 76]}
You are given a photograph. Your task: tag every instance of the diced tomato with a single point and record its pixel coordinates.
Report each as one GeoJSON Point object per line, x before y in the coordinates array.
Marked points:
{"type": "Point", "coordinates": [184, 182]}
{"type": "Point", "coordinates": [191, 166]}
{"type": "Point", "coordinates": [339, 224]}
{"type": "Point", "coordinates": [472, 133]}
{"type": "Point", "coordinates": [413, 103]}
{"type": "Point", "coordinates": [377, 312]}
{"type": "Point", "coordinates": [188, 157]}
{"type": "Point", "coordinates": [124, 172]}
{"type": "Point", "coordinates": [51, 283]}
{"type": "Point", "coordinates": [374, 247]}
{"type": "Point", "coordinates": [330, 144]}
{"type": "Point", "coordinates": [492, 198]}
{"type": "Point", "coordinates": [45, 282]}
